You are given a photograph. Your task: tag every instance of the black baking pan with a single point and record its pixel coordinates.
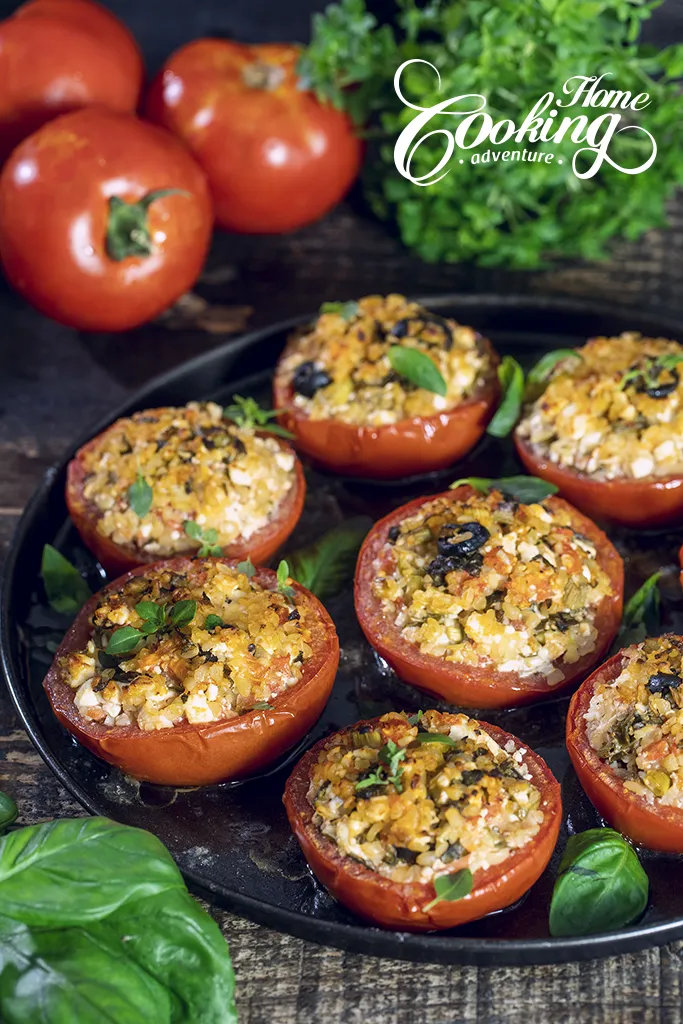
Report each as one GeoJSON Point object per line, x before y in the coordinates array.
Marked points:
{"type": "Point", "coordinates": [232, 842]}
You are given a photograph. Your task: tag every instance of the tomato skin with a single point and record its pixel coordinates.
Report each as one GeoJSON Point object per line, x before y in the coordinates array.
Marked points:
{"type": "Point", "coordinates": [54, 208]}
{"type": "Point", "coordinates": [275, 157]}
{"type": "Point", "coordinates": [470, 686]}
{"type": "Point", "coordinates": [657, 827]}
{"type": "Point", "coordinates": [201, 755]}
{"type": "Point", "coordinates": [61, 55]}
{"type": "Point", "coordinates": [638, 504]}
{"type": "Point", "coordinates": [118, 559]}
{"type": "Point", "coordinates": [395, 450]}
{"type": "Point", "coordinates": [401, 905]}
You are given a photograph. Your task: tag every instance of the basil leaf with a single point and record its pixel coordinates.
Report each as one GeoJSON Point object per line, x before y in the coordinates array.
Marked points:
{"type": "Point", "coordinates": [416, 719]}
{"type": "Point", "coordinates": [436, 737]}
{"type": "Point", "coordinates": [8, 811]}
{"type": "Point", "coordinates": [151, 613]}
{"type": "Point", "coordinates": [248, 568]}
{"type": "Point", "coordinates": [65, 588]}
{"type": "Point", "coordinates": [669, 360]}
{"type": "Point", "coordinates": [511, 377]}
{"type": "Point", "coordinates": [192, 529]}
{"type": "Point", "coordinates": [140, 496]}
{"type": "Point", "coordinates": [213, 622]}
{"type": "Point", "coordinates": [70, 872]}
{"type": "Point", "coordinates": [182, 613]}
{"type": "Point", "coordinates": [418, 368]}
{"type": "Point", "coordinates": [641, 615]}
{"type": "Point", "coordinates": [346, 310]}
{"type": "Point", "coordinates": [282, 576]}
{"type": "Point", "coordinates": [601, 885]}
{"type": "Point", "coordinates": [327, 565]}
{"type": "Point", "coordinates": [263, 706]}
{"type": "Point", "coordinates": [451, 887]}
{"type": "Point", "coordinates": [539, 373]}
{"type": "Point", "coordinates": [123, 640]}
{"type": "Point", "coordinates": [526, 489]}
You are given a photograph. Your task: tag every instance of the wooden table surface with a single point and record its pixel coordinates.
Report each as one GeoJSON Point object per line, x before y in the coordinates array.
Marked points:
{"type": "Point", "coordinates": [55, 382]}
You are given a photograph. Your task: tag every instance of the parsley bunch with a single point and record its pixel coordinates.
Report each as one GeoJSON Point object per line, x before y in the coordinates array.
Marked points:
{"type": "Point", "coordinates": [511, 51]}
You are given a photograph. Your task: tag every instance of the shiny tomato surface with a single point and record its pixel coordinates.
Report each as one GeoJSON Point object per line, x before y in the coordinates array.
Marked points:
{"type": "Point", "coordinates": [651, 824]}
{"type": "Point", "coordinates": [395, 450]}
{"type": "Point", "coordinates": [637, 504]}
{"type": "Point", "coordinates": [471, 686]}
{"type": "Point", "coordinates": [200, 755]}
{"type": "Point", "coordinates": [276, 158]}
{"type": "Point", "coordinates": [61, 55]}
{"type": "Point", "coordinates": [402, 905]}
{"type": "Point", "coordinates": [104, 220]}
{"type": "Point", "coordinates": [118, 559]}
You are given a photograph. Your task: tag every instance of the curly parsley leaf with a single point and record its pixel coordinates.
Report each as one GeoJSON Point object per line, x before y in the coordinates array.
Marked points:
{"type": "Point", "coordinates": [511, 377]}
{"type": "Point", "coordinates": [65, 588]}
{"type": "Point", "coordinates": [249, 415]}
{"type": "Point", "coordinates": [451, 887]}
{"type": "Point", "coordinates": [140, 496]}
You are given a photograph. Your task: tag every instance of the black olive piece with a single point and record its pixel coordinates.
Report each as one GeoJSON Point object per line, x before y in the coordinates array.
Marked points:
{"type": "Point", "coordinates": [239, 445]}
{"type": "Point", "coordinates": [184, 697]}
{"type": "Point", "coordinates": [471, 776]}
{"type": "Point", "coordinates": [299, 658]}
{"type": "Point", "coordinates": [308, 378]}
{"type": "Point", "coordinates": [563, 621]}
{"type": "Point", "coordinates": [393, 534]}
{"type": "Point", "coordinates": [161, 443]}
{"type": "Point", "coordinates": [454, 852]}
{"type": "Point", "coordinates": [409, 856]}
{"type": "Point", "coordinates": [251, 648]}
{"type": "Point", "coordinates": [293, 615]}
{"type": "Point", "coordinates": [107, 660]}
{"type": "Point", "coordinates": [208, 655]}
{"type": "Point", "coordinates": [661, 682]}
{"type": "Point", "coordinates": [400, 328]}
{"type": "Point", "coordinates": [443, 564]}
{"type": "Point", "coordinates": [663, 389]}
{"type": "Point", "coordinates": [100, 686]}
{"type": "Point", "coordinates": [187, 486]}
{"type": "Point", "coordinates": [364, 728]}
{"type": "Point", "coordinates": [209, 444]}
{"type": "Point", "coordinates": [461, 539]}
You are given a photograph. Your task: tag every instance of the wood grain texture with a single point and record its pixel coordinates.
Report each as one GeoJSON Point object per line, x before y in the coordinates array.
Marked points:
{"type": "Point", "coordinates": [55, 382]}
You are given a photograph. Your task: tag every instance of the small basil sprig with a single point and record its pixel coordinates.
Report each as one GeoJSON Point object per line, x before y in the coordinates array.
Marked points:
{"type": "Point", "coordinates": [647, 375]}
{"type": "Point", "coordinates": [248, 568]}
{"type": "Point", "coordinates": [539, 373]}
{"type": "Point", "coordinates": [249, 415]}
{"type": "Point", "coordinates": [156, 618]}
{"type": "Point", "coordinates": [511, 377]}
{"type": "Point", "coordinates": [527, 489]}
{"type": "Point", "coordinates": [389, 770]}
{"type": "Point", "coordinates": [346, 310]}
{"type": "Point", "coordinates": [140, 496]}
{"type": "Point", "coordinates": [212, 622]}
{"type": "Point", "coordinates": [418, 368]}
{"type": "Point", "coordinates": [205, 538]}
{"type": "Point", "coordinates": [453, 886]}
{"type": "Point", "coordinates": [327, 565]}
{"type": "Point", "coordinates": [65, 588]}
{"type": "Point", "coordinates": [641, 614]}
{"type": "Point", "coordinates": [601, 885]}
{"type": "Point", "coordinates": [283, 576]}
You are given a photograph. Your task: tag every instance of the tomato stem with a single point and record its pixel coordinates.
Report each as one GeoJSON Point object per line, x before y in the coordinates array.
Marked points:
{"type": "Point", "coordinates": [128, 232]}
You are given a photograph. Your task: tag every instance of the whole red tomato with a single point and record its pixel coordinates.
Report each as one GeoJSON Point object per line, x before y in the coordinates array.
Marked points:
{"type": "Point", "coordinates": [275, 157]}
{"type": "Point", "coordinates": [104, 220]}
{"type": "Point", "coordinates": [61, 55]}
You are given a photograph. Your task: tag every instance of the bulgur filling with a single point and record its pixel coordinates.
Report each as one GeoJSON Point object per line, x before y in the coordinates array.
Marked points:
{"type": "Point", "coordinates": [340, 370]}
{"type": "Point", "coordinates": [615, 412]}
{"type": "Point", "coordinates": [201, 468]}
{"type": "Point", "coordinates": [635, 722]}
{"type": "Point", "coordinates": [489, 581]}
{"type": "Point", "coordinates": [411, 808]}
{"type": "Point", "coordinates": [243, 645]}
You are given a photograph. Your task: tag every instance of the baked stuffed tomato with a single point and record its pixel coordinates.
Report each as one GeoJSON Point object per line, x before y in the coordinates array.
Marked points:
{"type": "Point", "coordinates": [385, 810]}
{"type": "Point", "coordinates": [172, 481]}
{"type": "Point", "coordinates": [625, 739]}
{"type": "Point", "coordinates": [191, 672]}
{"type": "Point", "coordinates": [486, 602]}
{"type": "Point", "coordinates": [347, 388]}
{"type": "Point", "coordinates": [608, 431]}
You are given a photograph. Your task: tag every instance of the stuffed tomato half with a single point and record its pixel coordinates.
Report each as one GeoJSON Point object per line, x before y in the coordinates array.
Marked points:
{"type": "Point", "coordinates": [192, 672]}
{"type": "Point", "coordinates": [173, 481]}
{"type": "Point", "coordinates": [486, 602]}
{"type": "Point", "coordinates": [608, 431]}
{"type": "Point", "coordinates": [422, 825]}
{"type": "Point", "coordinates": [625, 739]}
{"type": "Point", "coordinates": [383, 388]}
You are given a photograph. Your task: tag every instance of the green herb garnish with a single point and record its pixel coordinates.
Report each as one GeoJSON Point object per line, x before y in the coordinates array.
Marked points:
{"type": "Point", "coordinates": [248, 568]}
{"type": "Point", "coordinates": [641, 614]}
{"type": "Point", "coordinates": [539, 373]}
{"type": "Point", "coordinates": [263, 706]}
{"type": "Point", "coordinates": [327, 565]}
{"type": "Point", "coordinates": [65, 588]}
{"type": "Point", "coordinates": [283, 575]}
{"type": "Point", "coordinates": [436, 737]}
{"type": "Point", "coordinates": [249, 415]}
{"type": "Point", "coordinates": [346, 310]}
{"type": "Point", "coordinates": [157, 618]}
{"type": "Point", "coordinates": [646, 377]}
{"type": "Point", "coordinates": [416, 719]}
{"type": "Point", "coordinates": [8, 812]}
{"type": "Point", "coordinates": [600, 886]}
{"type": "Point", "coordinates": [206, 538]}
{"type": "Point", "coordinates": [418, 368]}
{"type": "Point", "coordinates": [140, 496]}
{"type": "Point", "coordinates": [212, 622]}
{"type": "Point", "coordinates": [388, 771]}
{"type": "Point", "coordinates": [511, 377]}
{"type": "Point", "coordinates": [451, 887]}
{"type": "Point", "coordinates": [527, 489]}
